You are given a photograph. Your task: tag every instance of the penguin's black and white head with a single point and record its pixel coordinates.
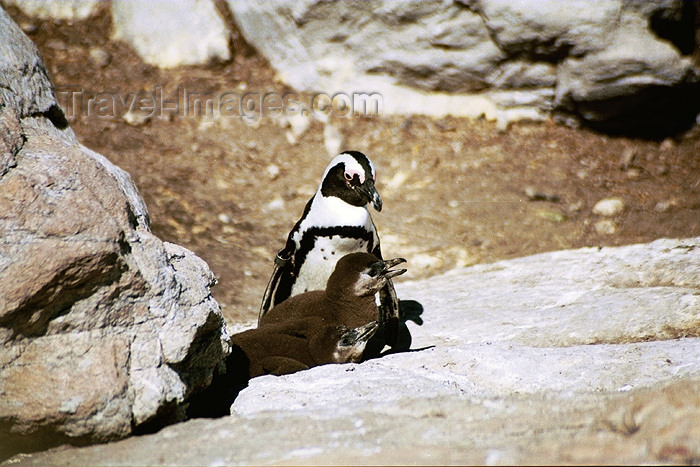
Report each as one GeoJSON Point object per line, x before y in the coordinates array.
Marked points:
{"type": "Point", "coordinates": [350, 176]}
{"type": "Point", "coordinates": [363, 274]}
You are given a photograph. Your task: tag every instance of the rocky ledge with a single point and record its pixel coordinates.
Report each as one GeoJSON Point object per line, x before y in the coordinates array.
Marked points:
{"type": "Point", "coordinates": [583, 356]}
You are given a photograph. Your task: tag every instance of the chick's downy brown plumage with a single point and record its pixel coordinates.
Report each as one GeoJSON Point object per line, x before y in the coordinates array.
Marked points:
{"type": "Point", "coordinates": [319, 327]}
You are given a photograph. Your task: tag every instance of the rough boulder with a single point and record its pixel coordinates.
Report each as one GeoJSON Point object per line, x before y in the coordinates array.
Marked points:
{"type": "Point", "coordinates": [104, 329]}
{"type": "Point", "coordinates": [617, 65]}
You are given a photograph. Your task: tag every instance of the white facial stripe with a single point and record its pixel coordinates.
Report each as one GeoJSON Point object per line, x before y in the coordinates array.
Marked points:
{"type": "Point", "coordinates": [351, 166]}
{"type": "Point", "coordinates": [352, 172]}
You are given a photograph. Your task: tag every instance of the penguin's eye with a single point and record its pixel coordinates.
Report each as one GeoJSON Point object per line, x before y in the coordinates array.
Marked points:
{"type": "Point", "coordinates": [375, 269]}
{"type": "Point", "coordinates": [348, 176]}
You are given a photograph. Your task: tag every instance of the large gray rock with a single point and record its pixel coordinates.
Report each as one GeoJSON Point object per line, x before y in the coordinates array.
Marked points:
{"type": "Point", "coordinates": [104, 329]}
{"type": "Point", "coordinates": [25, 87]}
{"type": "Point", "coordinates": [169, 33]}
{"type": "Point", "coordinates": [499, 58]}
{"type": "Point", "coordinates": [576, 356]}
{"type": "Point", "coordinates": [64, 10]}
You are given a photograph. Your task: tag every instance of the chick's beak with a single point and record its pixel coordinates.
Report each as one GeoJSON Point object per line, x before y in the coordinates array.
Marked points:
{"type": "Point", "coordinates": [383, 268]}
{"type": "Point", "coordinates": [370, 191]}
{"type": "Point", "coordinates": [390, 263]}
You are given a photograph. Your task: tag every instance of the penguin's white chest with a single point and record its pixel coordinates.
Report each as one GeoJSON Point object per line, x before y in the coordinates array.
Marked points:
{"type": "Point", "coordinates": [321, 260]}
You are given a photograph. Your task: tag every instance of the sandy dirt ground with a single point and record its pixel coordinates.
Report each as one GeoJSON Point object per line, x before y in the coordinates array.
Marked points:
{"type": "Point", "coordinates": [456, 191]}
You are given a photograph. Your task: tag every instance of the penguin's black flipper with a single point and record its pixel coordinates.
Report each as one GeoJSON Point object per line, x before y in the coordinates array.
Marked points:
{"type": "Point", "coordinates": [389, 313]}
{"type": "Point", "coordinates": [280, 275]}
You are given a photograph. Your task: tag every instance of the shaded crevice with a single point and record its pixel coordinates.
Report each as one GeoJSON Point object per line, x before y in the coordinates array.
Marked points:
{"type": "Point", "coordinates": [168, 413]}
{"type": "Point", "coordinates": [237, 43]}
{"type": "Point", "coordinates": [55, 115]}
{"type": "Point", "coordinates": [131, 217]}
{"type": "Point", "coordinates": [45, 437]}
{"type": "Point", "coordinates": [216, 400]}
{"type": "Point", "coordinates": [678, 28]}
{"type": "Point", "coordinates": [652, 113]}
{"type": "Point", "coordinates": [124, 247]}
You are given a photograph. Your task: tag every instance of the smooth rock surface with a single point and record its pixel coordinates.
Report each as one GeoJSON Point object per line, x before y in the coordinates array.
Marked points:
{"type": "Point", "coordinates": [575, 356]}
{"type": "Point", "coordinates": [104, 329]}
{"type": "Point", "coordinates": [170, 33]}
{"type": "Point", "coordinates": [61, 10]}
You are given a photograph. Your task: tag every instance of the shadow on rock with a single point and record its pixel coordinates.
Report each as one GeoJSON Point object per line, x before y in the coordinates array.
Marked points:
{"type": "Point", "coordinates": [216, 400]}
{"type": "Point", "coordinates": [409, 310]}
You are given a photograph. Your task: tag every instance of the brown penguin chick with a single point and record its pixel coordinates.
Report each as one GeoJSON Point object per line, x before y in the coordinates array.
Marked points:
{"type": "Point", "coordinates": [349, 298]}
{"type": "Point", "coordinates": [299, 344]}
{"type": "Point", "coordinates": [319, 327]}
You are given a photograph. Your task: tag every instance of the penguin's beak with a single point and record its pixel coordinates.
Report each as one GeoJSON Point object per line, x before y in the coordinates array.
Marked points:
{"type": "Point", "coordinates": [376, 276]}
{"type": "Point", "coordinates": [370, 192]}
{"type": "Point", "coordinates": [390, 263]}
{"type": "Point", "coordinates": [383, 268]}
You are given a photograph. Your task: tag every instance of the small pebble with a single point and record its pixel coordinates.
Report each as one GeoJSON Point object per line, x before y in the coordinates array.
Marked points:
{"type": "Point", "coordinates": [224, 219]}
{"type": "Point", "coordinates": [135, 118]}
{"type": "Point", "coordinates": [666, 144]}
{"type": "Point", "coordinates": [551, 215]}
{"type": "Point", "coordinates": [99, 57]}
{"type": "Point", "coordinates": [273, 171]}
{"type": "Point", "coordinates": [628, 155]}
{"type": "Point", "coordinates": [665, 206]}
{"type": "Point", "coordinates": [609, 207]}
{"type": "Point", "coordinates": [540, 195]}
{"type": "Point", "coordinates": [56, 44]}
{"type": "Point", "coordinates": [576, 206]}
{"type": "Point", "coordinates": [291, 139]}
{"type": "Point", "coordinates": [28, 27]}
{"type": "Point", "coordinates": [298, 124]}
{"type": "Point", "coordinates": [661, 169]}
{"type": "Point", "coordinates": [276, 204]}
{"type": "Point", "coordinates": [605, 227]}
{"type": "Point", "coordinates": [633, 174]}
